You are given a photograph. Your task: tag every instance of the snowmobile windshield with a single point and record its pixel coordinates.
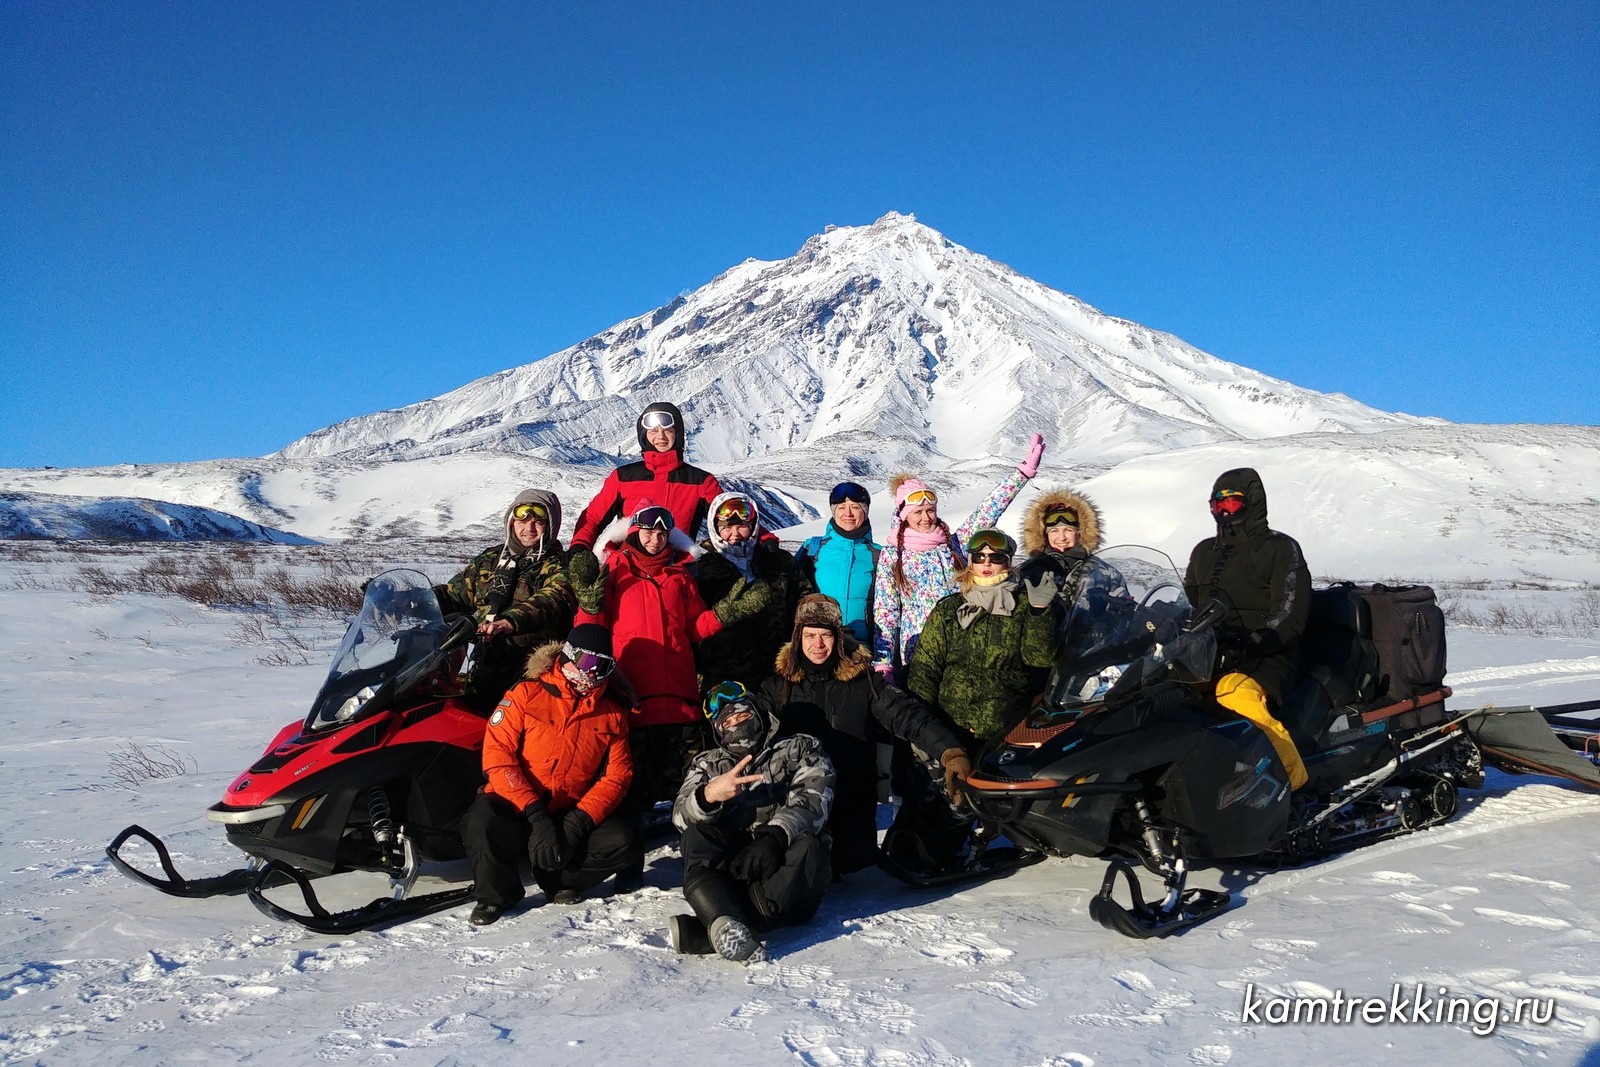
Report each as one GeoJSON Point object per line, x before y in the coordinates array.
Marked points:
{"type": "Point", "coordinates": [390, 644]}
{"type": "Point", "coordinates": [1127, 609]}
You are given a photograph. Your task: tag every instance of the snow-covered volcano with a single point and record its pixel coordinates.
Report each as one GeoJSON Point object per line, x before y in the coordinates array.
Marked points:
{"type": "Point", "coordinates": [887, 347]}
{"type": "Point", "coordinates": [872, 341]}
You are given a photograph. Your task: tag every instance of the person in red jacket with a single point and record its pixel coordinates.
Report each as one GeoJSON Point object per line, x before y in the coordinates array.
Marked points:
{"type": "Point", "coordinates": [557, 765]}
{"type": "Point", "coordinates": [643, 591]}
{"type": "Point", "coordinates": [662, 476]}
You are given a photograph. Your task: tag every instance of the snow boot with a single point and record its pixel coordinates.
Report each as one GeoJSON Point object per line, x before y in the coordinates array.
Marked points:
{"type": "Point", "coordinates": [689, 936]}
{"type": "Point", "coordinates": [486, 914]}
{"type": "Point", "coordinates": [737, 942]}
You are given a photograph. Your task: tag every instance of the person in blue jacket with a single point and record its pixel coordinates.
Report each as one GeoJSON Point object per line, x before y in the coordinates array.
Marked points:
{"type": "Point", "coordinates": [840, 562]}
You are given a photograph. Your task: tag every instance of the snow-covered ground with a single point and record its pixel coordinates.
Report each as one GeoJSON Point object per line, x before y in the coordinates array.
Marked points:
{"type": "Point", "coordinates": [96, 969]}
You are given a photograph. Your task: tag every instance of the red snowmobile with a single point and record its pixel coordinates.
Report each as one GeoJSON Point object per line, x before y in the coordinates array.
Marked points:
{"type": "Point", "coordinates": [375, 779]}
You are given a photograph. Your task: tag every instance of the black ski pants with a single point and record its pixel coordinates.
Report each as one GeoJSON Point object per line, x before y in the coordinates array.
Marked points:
{"type": "Point", "coordinates": [789, 897]}
{"type": "Point", "coordinates": [495, 836]}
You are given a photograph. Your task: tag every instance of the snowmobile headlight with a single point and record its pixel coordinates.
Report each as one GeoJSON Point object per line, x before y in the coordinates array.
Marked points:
{"type": "Point", "coordinates": [350, 707]}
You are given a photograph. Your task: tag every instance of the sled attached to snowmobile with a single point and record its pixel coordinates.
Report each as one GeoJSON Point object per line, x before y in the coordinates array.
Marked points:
{"type": "Point", "coordinates": [374, 779]}
{"type": "Point", "coordinates": [1127, 756]}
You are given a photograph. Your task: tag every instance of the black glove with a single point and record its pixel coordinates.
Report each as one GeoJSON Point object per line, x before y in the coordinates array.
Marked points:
{"type": "Point", "coordinates": [547, 850]}
{"type": "Point", "coordinates": [576, 826]}
{"type": "Point", "coordinates": [588, 580]}
{"type": "Point", "coordinates": [1263, 642]}
{"type": "Point", "coordinates": [743, 600]}
{"type": "Point", "coordinates": [1233, 637]}
{"type": "Point", "coordinates": [762, 857]}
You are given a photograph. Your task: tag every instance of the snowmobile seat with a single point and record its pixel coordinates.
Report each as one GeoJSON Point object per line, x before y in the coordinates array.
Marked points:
{"type": "Point", "coordinates": [1338, 666]}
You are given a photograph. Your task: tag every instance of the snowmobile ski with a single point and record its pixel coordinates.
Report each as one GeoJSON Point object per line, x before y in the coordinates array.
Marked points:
{"type": "Point", "coordinates": [174, 884]}
{"type": "Point", "coordinates": [379, 912]}
{"type": "Point", "coordinates": [1182, 909]}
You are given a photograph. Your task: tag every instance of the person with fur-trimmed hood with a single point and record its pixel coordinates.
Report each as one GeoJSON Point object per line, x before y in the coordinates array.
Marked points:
{"type": "Point", "coordinates": [662, 476]}
{"type": "Point", "coordinates": [1060, 530]}
{"type": "Point", "coordinates": [741, 550]}
{"type": "Point", "coordinates": [642, 589]}
{"type": "Point", "coordinates": [1262, 577]}
{"type": "Point", "coordinates": [518, 592]}
{"type": "Point", "coordinates": [917, 567]}
{"type": "Point", "coordinates": [824, 679]}
{"type": "Point", "coordinates": [754, 813]}
{"type": "Point", "coordinates": [556, 767]}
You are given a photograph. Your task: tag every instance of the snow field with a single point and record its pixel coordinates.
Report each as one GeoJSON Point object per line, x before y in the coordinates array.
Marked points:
{"type": "Point", "coordinates": [96, 968]}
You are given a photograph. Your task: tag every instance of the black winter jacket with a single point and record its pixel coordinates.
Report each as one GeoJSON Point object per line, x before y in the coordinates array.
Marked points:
{"type": "Point", "coordinates": [846, 706]}
{"type": "Point", "coordinates": [1262, 576]}
{"type": "Point", "coordinates": [743, 651]}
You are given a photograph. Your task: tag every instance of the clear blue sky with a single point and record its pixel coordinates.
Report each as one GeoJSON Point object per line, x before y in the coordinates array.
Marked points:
{"type": "Point", "coordinates": [228, 224]}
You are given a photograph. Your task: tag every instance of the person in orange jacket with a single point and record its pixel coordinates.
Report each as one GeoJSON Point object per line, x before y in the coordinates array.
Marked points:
{"type": "Point", "coordinates": [557, 765]}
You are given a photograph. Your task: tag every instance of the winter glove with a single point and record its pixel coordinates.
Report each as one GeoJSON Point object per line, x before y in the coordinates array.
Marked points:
{"type": "Point", "coordinates": [1263, 642]}
{"type": "Point", "coordinates": [956, 768]}
{"type": "Point", "coordinates": [1042, 590]}
{"type": "Point", "coordinates": [502, 585]}
{"type": "Point", "coordinates": [743, 600]}
{"type": "Point", "coordinates": [1030, 466]}
{"type": "Point", "coordinates": [576, 826]}
{"type": "Point", "coordinates": [588, 580]}
{"type": "Point", "coordinates": [546, 849]}
{"type": "Point", "coordinates": [1233, 638]}
{"type": "Point", "coordinates": [762, 857]}
{"type": "Point", "coordinates": [885, 673]}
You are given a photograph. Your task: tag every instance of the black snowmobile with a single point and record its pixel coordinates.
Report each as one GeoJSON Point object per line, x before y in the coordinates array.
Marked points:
{"type": "Point", "coordinates": [375, 778]}
{"type": "Point", "coordinates": [1128, 756]}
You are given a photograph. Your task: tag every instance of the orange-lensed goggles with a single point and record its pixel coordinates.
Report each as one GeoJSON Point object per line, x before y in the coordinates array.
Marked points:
{"type": "Point", "coordinates": [918, 497]}
{"type": "Point", "coordinates": [735, 513]}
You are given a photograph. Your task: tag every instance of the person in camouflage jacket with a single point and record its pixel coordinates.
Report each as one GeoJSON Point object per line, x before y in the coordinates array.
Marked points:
{"type": "Point", "coordinates": [517, 591]}
{"type": "Point", "coordinates": [754, 814]}
{"type": "Point", "coordinates": [972, 661]}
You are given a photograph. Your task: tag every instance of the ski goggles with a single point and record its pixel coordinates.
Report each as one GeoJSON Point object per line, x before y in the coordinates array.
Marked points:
{"type": "Point", "coordinates": [657, 420]}
{"type": "Point", "coordinates": [918, 497]}
{"type": "Point", "coordinates": [1227, 502]}
{"type": "Point", "coordinates": [736, 513]}
{"type": "Point", "coordinates": [524, 512]}
{"type": "Point", "coordinates": [989, 546]}
{"type": "Point", "coordinates": [654, 517]}
{"type": "Point", "coordinates": [849, 491]}
{"type": "Point", "coordinates": [723, 697]}
{"type": "Point", "coordinates": [1061, 516]}
{"type": "Point", "coordinates": [596, 665]}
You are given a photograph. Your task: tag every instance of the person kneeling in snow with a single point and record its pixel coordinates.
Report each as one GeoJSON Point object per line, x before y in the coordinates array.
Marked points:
{"type": "Point", "coordinates": [557, 763]}
{"type": "Point", "coordinates": [753, 812]}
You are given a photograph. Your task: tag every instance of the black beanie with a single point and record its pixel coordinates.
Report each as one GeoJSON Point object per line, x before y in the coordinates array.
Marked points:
{"type": "Point", "coordinates": [590, 637]}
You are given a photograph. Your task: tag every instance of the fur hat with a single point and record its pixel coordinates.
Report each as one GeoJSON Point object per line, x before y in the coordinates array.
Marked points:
{"type": "Point", "coordinates": [818, 609]}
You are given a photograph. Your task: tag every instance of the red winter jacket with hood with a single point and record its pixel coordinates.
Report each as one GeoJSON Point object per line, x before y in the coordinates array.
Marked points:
{"type": "Point", "coordinates": [663, 478]}
{"type": "Point", "coordinates": [656, 618]}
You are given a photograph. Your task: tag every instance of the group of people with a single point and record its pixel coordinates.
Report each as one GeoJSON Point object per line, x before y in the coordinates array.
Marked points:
{"type": "Point", "coordinates": [752, 688]}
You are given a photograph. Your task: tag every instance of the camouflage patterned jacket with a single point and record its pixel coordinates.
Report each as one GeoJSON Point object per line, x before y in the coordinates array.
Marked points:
{"type": "Point", "coordinates": [978, 675]}
{"type": "Point", "coordinates": [796, 795]}
{"type": "Point", "coordinates": [541, 606]}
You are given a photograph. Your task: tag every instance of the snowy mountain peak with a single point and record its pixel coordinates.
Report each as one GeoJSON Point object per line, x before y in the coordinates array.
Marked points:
{"type": "Point", "coordinates": [888, 333]}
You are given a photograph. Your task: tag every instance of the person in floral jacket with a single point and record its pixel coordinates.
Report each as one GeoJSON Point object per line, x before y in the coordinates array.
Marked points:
{"type": "Point", "coordinates": [917, 567]}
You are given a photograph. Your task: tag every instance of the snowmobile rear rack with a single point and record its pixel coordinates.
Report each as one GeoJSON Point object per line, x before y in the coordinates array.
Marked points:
{"type": "Point", "coordinates": [175, 884]}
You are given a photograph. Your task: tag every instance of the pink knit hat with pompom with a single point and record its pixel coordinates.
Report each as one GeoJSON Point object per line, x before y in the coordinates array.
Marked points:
{"type": "Point", "coordinates": [904, 488]}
